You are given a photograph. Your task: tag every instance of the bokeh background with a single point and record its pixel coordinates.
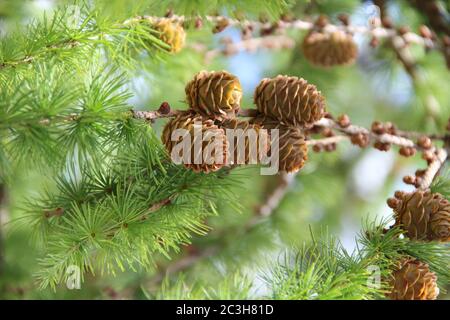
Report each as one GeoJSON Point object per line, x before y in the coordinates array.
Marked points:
{"type": "Point", "coordinates": [336, 191]}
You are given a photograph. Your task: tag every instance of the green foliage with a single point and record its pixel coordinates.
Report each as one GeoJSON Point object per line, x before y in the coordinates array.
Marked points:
{"type": "Point", "coordinates": [249, 9]}
{"type": "Point", "coordinates": [325, 270]}
{"type": "Point", "coordinates": [389, 247]}
{"type": "Point", "coordinates": [69, 36]}
{"type": "Point", "coordinates": [117, 214]}
{"type": "Point", "coordinates": [82, 110]}
{"type": "Point", "coordinates": [442, 184]}
{"type": "Point", "coordinates": [70, 116]}
{"type": "Point", "coordinates": [230, 287]}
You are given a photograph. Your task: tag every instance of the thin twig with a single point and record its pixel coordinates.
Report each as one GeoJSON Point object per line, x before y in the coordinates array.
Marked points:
{"type": "Point", "coordinates": [68, 43]}
{"type": "Point", "coordinates": [374, 30]}
{"type": "Point", "coordinates": [433, 169]}
{"type": "Point", "coordinates": [404, 55]}
{"type": "Point", "coordinates": [153, 115]}
{"type": "Point", "coordinates": [273, 199]}
{"type": "Point", "coordinates": [353, 130]}
{"type": "Point", "coordinates": [325, 141]}
{"type": "Point", "coordinates": [401, 139]}
{"type": "Point", "coordinates": [182, 264]}
{"type": "Point", "coordinates": [436, 14]}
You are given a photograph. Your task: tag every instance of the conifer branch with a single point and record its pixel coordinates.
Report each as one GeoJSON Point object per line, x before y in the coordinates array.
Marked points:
{"type": "Point", "coordinates": [401, 138]}
{"type": "Point", "coordinates": [353, 130]}
{"type": "Point", "coordinates": [361, 136]}
{"type": "Point", "coordinates": [274, 198]}
{"type": "Point", "coordinates": [400, 46]}
{"type": "Point", "coordinates": [182, 264]}
{"type": "Point", "coordinates": [63, 44]}
{"type": "Point", "coordinates": [164, 111]}
{"type": "Point", "coordinates": [268, 28]}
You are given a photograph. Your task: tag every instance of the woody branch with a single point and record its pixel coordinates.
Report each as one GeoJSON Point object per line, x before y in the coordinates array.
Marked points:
{"type": "Point", "coordinates": [381, 135]}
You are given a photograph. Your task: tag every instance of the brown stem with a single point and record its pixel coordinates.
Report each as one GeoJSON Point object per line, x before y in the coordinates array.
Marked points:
{"type": "Point", "coordinates": [401, 139]}
{"type": "Point", "coordinates": [273, 199]}
{"type": "Point", "coordinates": [58, 212]}
{"type": "Point", "coordinates": [325, 141]}
{"type": "Point", "coordinates": [299, 24]}
{"type": "Point", "coordinates": [436, 15]}
{"type": "Point", "coordinates": [354, 130]}
{"type": "Point", "coordinates": [433, 169]}
{"type": "Point", "coordinates": [381, 4]}
{"type": "Point", "coordinates": [434, 165]}
{"type": "Point", "coordinates": [404, 55]}
{"type": "Point", "coordinates": [153, 115]}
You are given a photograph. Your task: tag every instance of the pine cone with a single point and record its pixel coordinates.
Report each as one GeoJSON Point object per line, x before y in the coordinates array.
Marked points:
{"type": "Point", "coordinates": [208, 158]}
{"type": "Point", "coordinates": [413, 280]}
{"type": "Point", "coordinates": [292, 148]}
{"type": "Point", "coordinates": [256, 142]}
{"type": "Point", "coordinates": [423, 215]}
{"type": "Point", "coordinates": [171, 32]}
{"type": "Point", "coordinates": [214, 94]}
{"type": "Point", "coordinates": [329, 49]}
{"type": "Point", "coordinates": [290, 100]}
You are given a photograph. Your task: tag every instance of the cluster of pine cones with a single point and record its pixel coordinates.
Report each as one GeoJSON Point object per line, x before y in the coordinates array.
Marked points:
{"type": "Point", "coordinates": [422, 216]}
{"type": "Point", "coordinates": [288, 104]}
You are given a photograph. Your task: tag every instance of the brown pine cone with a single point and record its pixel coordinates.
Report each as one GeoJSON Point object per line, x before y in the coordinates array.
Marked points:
{"type": "Point", "coordinates": [216, 95]}
{"type": "Point", "coordinates": [292, 148]}
{"type": "Point", "coordinates": [290, 100]}
{"type": "Point", "coordinates": [171, 32]}
{"type": "Point", "coordinates": [211, 155]}
{"type": "Point", "coordinates": [423, 215]}
{"type": "Point", "coordinates": [249, 145]}
{"type": "Point", "coordinates": [326, 49]}
{"type": "Point", "coordinates": [413, 280]}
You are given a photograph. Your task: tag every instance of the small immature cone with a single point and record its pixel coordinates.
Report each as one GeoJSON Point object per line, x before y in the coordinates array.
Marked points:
{"type": "Point", "coordinates": [360, 139]}
{"type": "Point", "coordinates": [221, 25]}
{"type": "Point", "coordinates": [326, 49]}
{"type": "Point", "coordinates": [250, 143]}
{"type": "Point", "coordinates": [343, 121]}
{"type": "Point", "coordinates": [292, 148]}
{"type": "Point", "coordinates": [423, 215]}
{"type": "Point", "coordinates": [212, 151]}
{"type": "Point", "coordinates": [290, 100]}
{"type": "Point", "coordinates": [171, 33]}
{"type": "Point", "coordinates": [216, 95]}
{"type": "Point", "coordinates": [413, 280]}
